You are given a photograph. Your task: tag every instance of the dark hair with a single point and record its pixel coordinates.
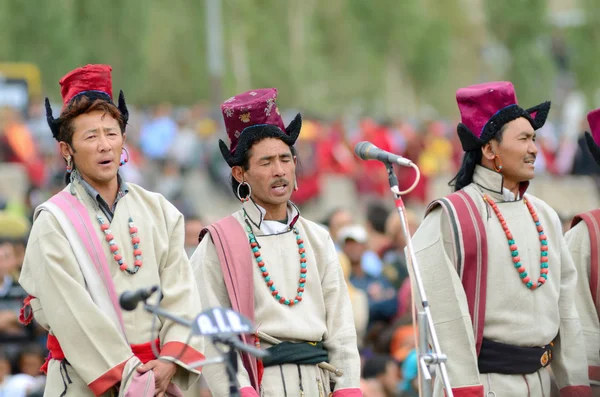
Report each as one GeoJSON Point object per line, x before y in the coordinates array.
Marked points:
{"type": "Point", "coordinates": [377, 215]}
{"type": "Point", "coordinates": [470, 159]}
{"type": "Point", "coordinates": [376, 366]}
{"type": "Point", "coordinates": [245, 162]}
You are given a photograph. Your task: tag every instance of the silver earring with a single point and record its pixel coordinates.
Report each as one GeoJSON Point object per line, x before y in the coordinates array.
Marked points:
{"type": "Point", "coordinates": [239, 196]}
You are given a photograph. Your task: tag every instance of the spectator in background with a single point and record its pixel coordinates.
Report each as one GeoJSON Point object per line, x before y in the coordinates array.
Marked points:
{"type": "Point", "coordinates": [193, 227]}
{"type": "Point", "coordinates": [410, 372]}
{"type": "Point", "coordinates": [353, 240]}
{"type": "Point", "coordinates": [157, 135]}
{"type": "Point", "coordinates": [13, 228]}
{"type": "Point", "coordinates": [336, 220]}
{"type": "Point", "coordinates": [359, 301]}
{"type": "Point", "coordinates": [377, 215]}
{"type": "Point", "coordinates": [386, 371]}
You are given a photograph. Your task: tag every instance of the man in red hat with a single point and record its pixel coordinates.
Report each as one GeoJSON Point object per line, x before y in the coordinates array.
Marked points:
{"type": "Point", "coordinates": [498, 275]}
{"type": "Point", "coordinates": [96, 239]}
{"type": "Point", "coordinates": [584, 245]}
{"type": "Point", "coordinates": [275, 267]}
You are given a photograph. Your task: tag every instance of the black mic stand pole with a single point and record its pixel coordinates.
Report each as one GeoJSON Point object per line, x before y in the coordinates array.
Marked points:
{"type": "Point", "coordinates": [424, 319]}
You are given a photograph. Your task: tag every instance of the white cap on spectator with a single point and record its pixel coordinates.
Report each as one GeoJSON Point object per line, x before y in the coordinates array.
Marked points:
{"type": "Point", "coordinates": [353, 232]}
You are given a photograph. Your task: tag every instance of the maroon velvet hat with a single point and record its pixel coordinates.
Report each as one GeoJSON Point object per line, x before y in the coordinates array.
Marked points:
{"type": "Point", "coordinates": [593, 139]}
{"type": "Point", "coordinates": [486, 108]}
{"type": "Point", "coordinates": [250, 115]}
{"type": "Point", "coordinates": [92, 81]}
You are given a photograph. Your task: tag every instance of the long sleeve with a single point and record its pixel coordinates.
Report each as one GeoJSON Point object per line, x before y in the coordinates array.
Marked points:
{"type": "Point", "coordinates": [90, 341]}
{"type": "Point", "coordinates": [180, 298]}
{"type": "Point", "coordinates": [213, 293]}
{"type": "Point", "coordinates": [340, 340]}
{"type": "Point", "coordinates": [448, 303]}
{"type": "Point", "coordinates": [568, 364]}
{"type": "Point", "coordinates": [578, 242]}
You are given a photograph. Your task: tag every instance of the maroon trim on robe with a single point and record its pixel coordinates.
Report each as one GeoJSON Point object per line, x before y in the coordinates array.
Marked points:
{"type": "Point", "coordinates": [592, 221]}
{"type": "Point", "coordinates": [467, 391]}
{"type": "Point", "coordinates": [576, 391]}
{"type": "Point", "coordinates": [470, 254]}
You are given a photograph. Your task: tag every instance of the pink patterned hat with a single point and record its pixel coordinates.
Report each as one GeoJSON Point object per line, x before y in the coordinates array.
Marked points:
{"type": "Point", "coordinates": [593, 139]}
{"type": "Point", "coordinates": [252, 115]}
{"type": "Point", "coordinates": [486, 108]}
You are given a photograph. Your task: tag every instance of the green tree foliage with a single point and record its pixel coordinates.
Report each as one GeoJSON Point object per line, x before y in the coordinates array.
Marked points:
{"type": "Point", "coordinates": [522, 27]}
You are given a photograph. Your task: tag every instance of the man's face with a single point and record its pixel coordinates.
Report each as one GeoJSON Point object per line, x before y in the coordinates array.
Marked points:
{"type": "Point", "coordinates": [98, 142]}
{"type": "Point", "coordinates": [354, 250]}
{"type": "Point", "coordinates": [271, 172]}
{"type": "Point", "coordinates": [8, 260]}
{"type": "Point", "coordinates": [30, 364]}
{"type": "Point", "coordinates": [339, 220]}
{"type": "Point", "coordinates": [517, 151]}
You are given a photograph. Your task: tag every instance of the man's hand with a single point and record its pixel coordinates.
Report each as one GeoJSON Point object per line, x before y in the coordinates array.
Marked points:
{"type": "Point", "coordinates": [163, 372]}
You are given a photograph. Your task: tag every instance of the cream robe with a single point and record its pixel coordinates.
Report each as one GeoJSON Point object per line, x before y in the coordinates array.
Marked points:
{"type": "Point", "coordinates": [578, 240]}
{"type": "Point", "coordinates": [91, 342]}
{"type": "Point", "coordinates": [514, 314]}
{"type": "Point", "coordinates": [325, 313]}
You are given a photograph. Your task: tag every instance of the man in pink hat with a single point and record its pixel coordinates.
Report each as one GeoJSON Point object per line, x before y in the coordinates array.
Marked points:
{"type": "Point", "coordinates": [275, 267]}
{"type": "Point", "coordinates": [96, 239]}
{"type": "Point", "coordinates": [496, 268]}
{"type": "Point", "coordinates": [584, 243]}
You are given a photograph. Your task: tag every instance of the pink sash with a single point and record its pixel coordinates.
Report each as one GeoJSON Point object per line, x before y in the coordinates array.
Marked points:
{"type": "Point", "coordinates": [592, 221]}
{"type": "Point", "coordinates": [470, 254]}
{"type": "Point", "coordinates": [231, 243]}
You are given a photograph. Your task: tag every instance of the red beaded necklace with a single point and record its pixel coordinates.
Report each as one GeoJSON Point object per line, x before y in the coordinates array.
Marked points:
{"type": "Point", "coordinates": [514, 250]}
{"type": "Point", "coordinates": [114, 248]}
{"type": "Point", "coordinates": [259, 261]}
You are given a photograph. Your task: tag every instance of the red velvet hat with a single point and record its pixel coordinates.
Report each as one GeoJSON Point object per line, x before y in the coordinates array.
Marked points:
{"type": "Point", "coordinates": [92, 81]}
{"type": "Point", "coordinates": [250, 115]}
{"type": "Point", "coordinates": [486, 108]}
{"type": "Point", "coordinates": [593, 139]}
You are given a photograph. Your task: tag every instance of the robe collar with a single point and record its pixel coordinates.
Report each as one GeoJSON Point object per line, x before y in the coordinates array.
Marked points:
{"type": "Point", "coordinates": [255, 215]}
{"type": "Point", "coordinates": [492, 183]}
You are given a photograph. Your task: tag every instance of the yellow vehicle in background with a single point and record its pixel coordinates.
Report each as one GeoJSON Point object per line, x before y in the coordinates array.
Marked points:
{"type": "Point", "coordinates": [20, 83]}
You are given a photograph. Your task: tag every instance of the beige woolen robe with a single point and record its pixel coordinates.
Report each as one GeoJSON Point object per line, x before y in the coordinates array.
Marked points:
{"type": "Point", "coordinates": [514, 314]}
{"type": "Point", "coordinates": [578, 240]}
{"type": "Point", "coordinates": [93, 345]}
{"type": "Point", "coordinates": [325, 313]}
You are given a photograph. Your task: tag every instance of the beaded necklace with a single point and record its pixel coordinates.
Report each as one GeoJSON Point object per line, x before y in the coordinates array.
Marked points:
{"type": "Point", "coordinates": [263, 268]}
{"type": "Point", "coordinates": [514, 250]}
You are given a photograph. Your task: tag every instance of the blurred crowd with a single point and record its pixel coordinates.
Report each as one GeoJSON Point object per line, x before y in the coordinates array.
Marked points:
{"type": "Point", "coordinates": [168, 146]}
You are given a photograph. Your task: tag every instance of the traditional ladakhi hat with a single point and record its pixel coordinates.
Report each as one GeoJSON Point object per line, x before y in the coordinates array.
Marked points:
{"type": "Point", "coordinates": [486, 108]}
{"type": "Point", "coordinates": [92, 81]}
{"type": "Point", "coordinates": [593, 139]}
{"type": "Point", "coordinates": [252, 113]}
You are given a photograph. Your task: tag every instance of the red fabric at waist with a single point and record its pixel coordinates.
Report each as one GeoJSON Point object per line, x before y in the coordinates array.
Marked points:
{"type": "Point", "coordinates": [142, 351]}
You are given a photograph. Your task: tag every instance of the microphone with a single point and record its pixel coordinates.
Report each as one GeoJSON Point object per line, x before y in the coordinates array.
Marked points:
{"type": "Point", "coordinates": [367, 151]}
{"type": "Point", "coordinates": [129, 300]}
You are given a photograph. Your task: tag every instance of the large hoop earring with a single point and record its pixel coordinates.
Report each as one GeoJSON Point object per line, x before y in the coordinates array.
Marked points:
{"type": "Point", "coordinates": [239, 196]}
{"type": "Point", "coordinates": [69, 164]}
{"type": "Point", "coordinates": [497, 168]}
{"type": "Point", "coordinates": [296, 185]}
{"type": "Point", "coordinates": [126, 159]}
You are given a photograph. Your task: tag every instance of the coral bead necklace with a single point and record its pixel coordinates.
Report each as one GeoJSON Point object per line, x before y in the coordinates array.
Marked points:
{"type": "Point", "coordinates": [525, 278]}
{"type": "Point", "coordinates": [114, 248]}
{"type": "Point", "coordinates": [263, 268]}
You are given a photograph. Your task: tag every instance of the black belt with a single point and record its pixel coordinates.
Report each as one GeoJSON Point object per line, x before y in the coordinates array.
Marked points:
{"type": "Point", "coordinates": [500, 358]}
{"type": "Point", "coordinates": [296, 353]}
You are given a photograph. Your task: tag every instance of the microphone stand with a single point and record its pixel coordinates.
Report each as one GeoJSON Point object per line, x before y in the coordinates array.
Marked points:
{"type": "Point", "coordinates": [425, 326]}
{"type": "Point", "coordinates": [229, 356]}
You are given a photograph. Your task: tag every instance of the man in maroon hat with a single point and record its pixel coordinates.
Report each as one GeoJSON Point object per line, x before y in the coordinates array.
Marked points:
{"type": "Point", "coordinates": [499, 278]}
{"type": "Point", "coordinates": [275, 267]}
{"type": "Point", "coordinates": [96, 239]}
{"type": "Point", "coordinates": [584, 244]}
